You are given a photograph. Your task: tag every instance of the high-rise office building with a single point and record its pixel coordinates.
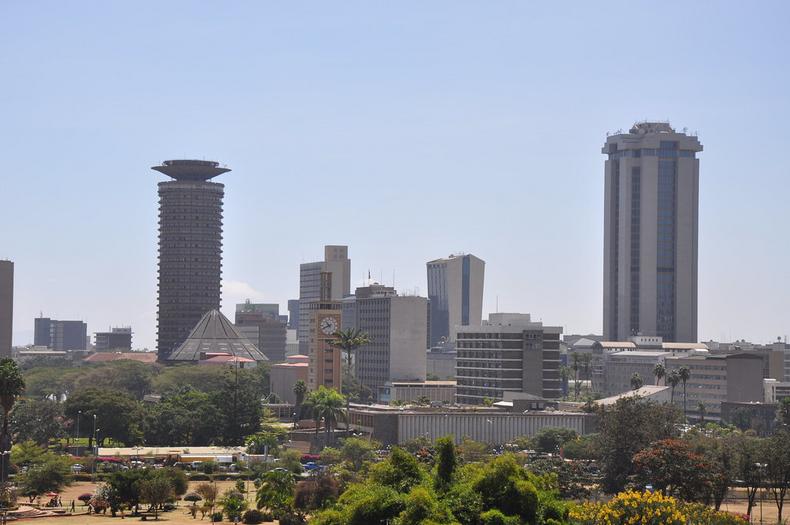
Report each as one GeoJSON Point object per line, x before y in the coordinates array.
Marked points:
{"type": "Point", "coordinates": [6, 307]}
{"type": "Point", "coordinates": [397, 326]}
{"type": "Point", "coordinates": [261, 324]}
{"type": "Point", "coordinates": [190, 248]}
{"type": "Point", "coordinates": [117, 339]}
{"type": "Point", "coordinates": [508, 353]}
{"type": "Point", "coordinates": [650, 233]}
{"type": "Point", "coordinates": [338, 265]}
{"type": "Point", "coordinates": [60, 335]}
{"type": "Point", "coordinates": [293, 314]}
{"type": "Point", "coordinates": [455, 290]}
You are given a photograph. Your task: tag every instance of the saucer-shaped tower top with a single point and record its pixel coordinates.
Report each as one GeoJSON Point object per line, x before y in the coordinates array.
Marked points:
{"type": "Point", "coordinates": [215, 334]}
{"type": "Point", "coordinates": [191, 169]}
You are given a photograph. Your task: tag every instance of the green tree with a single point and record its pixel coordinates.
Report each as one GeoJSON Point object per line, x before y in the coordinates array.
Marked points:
{"type": "Point", "coordinates": [28, 452]}
{"type": "Point", "coordinates": [300, 389]}
{"type": "Point", "coordinates": [366, 504]}
{"type": "Point", "coordinates": [777, 468]}
{"type": "Point", "coordinates": [348, 341]}
{"type": "Point", "coordinates": [156, 491]}
{"type": "Point", "coordinates": [575, 367]}
{"type": "Point", "coordinates": [275, 492]}
{"type": "Point", "coordinates": [241, 399]}
{"type": "Point", "coordinates": [684, 374]}
{"type": "Point", "coordinates": [118, 415]}
{"type": "Point", "coordinates": [636, 381]}
{"type": "Point", "coordinates": [318, 492]}
{"type": "Point", "coordinates": [12, 385]}
{"type": "Point", "coordinates": [327, 404]}
{"type": "Point", "coordinates": [672, 467]}
{"type": "Point", "coordinates": [447, 461]}
{"type": "Point", "coordinates": [185, 417]}
{"type": "Point", "coordinates": [748, 466]}
{"type": "Point", "coordinates": [233, 504]}
{"type": "Point", "coordinates": [783, 413]}
{"type": "Point", "coordinates": [40, 420]}
{"type": "Point", "coordinates": [50, 475]}
{"type": "Point", "coordinates": [660, 372]}
{"type": "Point", "coordinates": [551, 440]}
{"type": "Point", "coordinates": [400, 471]}
{"type": "Point", "coordinates": [504, 485]}
{"type": "Point", "coordinates": [358, 451]}
{"type": "Point", "coordinates": [131, 377]}
{"type": "Point", "coordinates": [626, 428]}
{"type": "Point", "coordinates": [673, 378]}
{"type": "Point", "coordinates": [421, 506]}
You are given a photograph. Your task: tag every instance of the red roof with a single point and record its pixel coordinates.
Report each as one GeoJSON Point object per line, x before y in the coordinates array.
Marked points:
{"type": "Point", "coordinates": [104, 357]}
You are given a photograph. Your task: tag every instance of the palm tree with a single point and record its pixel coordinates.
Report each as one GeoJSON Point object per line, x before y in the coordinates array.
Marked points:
{"type": "Point", "coordinates": [348, 341]}
{"type": "Point", "coordinates": [11, 387]}
{"type": "Point", "coordinates": [575, 368]}
{"type": "Point", "coordinates": [673, 379]}
{"type": "Point", "coordinates": [636, 382]}
{"type": "Point", "coordinates": [684, 374]}
{"type": "Point", "coordinates": [275, 492]}
{"type": "Point", "coordinates": [702, 410]}
{"type": "Point", "coordinates": [586, 366]}
{"type": "Point", "coordinates": [300, 389]}
{"type": "Point", "coordinates": [328, 404]}
{"type": "Point", "coordinates": [660, 371]}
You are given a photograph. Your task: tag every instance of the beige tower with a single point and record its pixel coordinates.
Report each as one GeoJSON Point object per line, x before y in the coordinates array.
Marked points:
{"type": "Point", "coordinates": [650, 233]}
{"type": "Point", "coordinates": [323, 320]}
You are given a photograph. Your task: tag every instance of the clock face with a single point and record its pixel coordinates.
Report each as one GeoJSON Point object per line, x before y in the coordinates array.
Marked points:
{"type": "Point", "coordinates": [328, 325]}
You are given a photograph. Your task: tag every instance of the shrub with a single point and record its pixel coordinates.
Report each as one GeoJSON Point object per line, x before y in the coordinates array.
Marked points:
{"type": "Point", "coordinates": [292, 518]}
{"type": "Point", "coordinates": [216, 517]}
{"type": "Point", "coordinates": [254, 516]}
{"type": "Point", "coordinates": [631, 507]}
{"type": "Point", "coordinates": [495, 517]}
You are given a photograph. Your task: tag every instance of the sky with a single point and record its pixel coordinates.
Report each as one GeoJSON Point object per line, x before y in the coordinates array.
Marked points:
{"type": "Point", "coordinates": [407, 130]}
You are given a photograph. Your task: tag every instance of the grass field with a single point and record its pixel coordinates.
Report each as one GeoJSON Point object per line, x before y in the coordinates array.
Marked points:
{"type": "Point", "coordinates": [177, 517]}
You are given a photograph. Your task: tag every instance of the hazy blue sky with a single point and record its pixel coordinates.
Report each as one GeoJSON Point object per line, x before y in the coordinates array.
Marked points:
{"type": "Point", "coordinates": [407, 130]}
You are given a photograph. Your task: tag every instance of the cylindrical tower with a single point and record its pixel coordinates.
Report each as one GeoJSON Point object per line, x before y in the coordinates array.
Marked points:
{"type": "Point", "coordinates": [190, 248]}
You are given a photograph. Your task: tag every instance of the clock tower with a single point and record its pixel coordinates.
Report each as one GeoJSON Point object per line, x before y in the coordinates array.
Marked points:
{"type": "Point", "coordinates": [326, 363]}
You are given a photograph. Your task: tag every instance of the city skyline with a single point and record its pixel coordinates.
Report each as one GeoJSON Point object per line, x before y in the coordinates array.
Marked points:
{"type": "Point", "coordinates": [426, 144]}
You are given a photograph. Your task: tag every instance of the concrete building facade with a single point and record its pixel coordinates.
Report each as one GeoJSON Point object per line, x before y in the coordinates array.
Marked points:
{"type": "Point", "coordinates": [455, 292]}
{"type": "Point", "coordinates": [508, 353]}
{"type": "Point", "coordinates": [118, 339]}
{"type": "Point", "coordinates": [337, 264]}
{"type": "Point", "coordinates": [261, 324]}
{"type": "Point", "coordinates": [393, 426]}
{"type": "Point", "coordinates": [325, 361]}
{"type": "Point", "coordinates": [651, 233]}
{"type": "Point", "coordinates": [6, 307]}
{"type": "Point", "coordinates": [190, 248]}
{"type": "Point", "coordinates": [397, 327]}
{"type": "Point", "coordinates": [285, 375]}
{"type": "Point", "coordinates": [60, 335]}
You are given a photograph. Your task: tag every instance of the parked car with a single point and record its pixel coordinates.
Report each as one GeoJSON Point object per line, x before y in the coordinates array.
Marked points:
{"type": "Point", "coordinates": [76, 468]}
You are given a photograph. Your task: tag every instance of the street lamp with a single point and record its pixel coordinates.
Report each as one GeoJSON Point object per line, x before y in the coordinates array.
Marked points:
{"type": "Point", "coordinates": [79, 414]}
{"type": "Point", "coordinates": [95, 445]}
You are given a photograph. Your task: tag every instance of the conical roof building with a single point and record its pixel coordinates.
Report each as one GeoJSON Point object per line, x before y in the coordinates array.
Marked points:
{"type": "Point", "coordinates": [215, 334]}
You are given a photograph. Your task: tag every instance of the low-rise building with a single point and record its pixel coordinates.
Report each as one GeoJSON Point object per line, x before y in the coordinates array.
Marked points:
{"type": "Point", "coordinates": [435, 391]}
{"type": "Point", "coordinates": [117, 339]}
{"type": "Point", "coordinates": [508, 353]}
{"type": "Point", "coordinates": [775, 391]}
{"type": "Point", "coordinates": [283, 377]}
{"type": "Point", "coordinates": [397, 425]}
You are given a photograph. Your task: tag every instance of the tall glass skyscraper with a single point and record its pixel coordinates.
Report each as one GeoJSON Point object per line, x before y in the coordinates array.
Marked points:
{"type": "Point", "coordinates": [651, 221]}
{"type": "Point", "coordinates": [455, 291]}
{"type": "Point", "coordinates": [190, 248]}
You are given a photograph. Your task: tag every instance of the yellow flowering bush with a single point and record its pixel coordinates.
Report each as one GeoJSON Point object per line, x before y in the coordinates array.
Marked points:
{"type": "Point", "coordinates": [649, 508]}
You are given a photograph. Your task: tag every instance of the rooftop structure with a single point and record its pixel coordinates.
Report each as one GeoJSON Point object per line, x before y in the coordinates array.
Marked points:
{"type": "Point", "coordinates": [194, 170]}
{"type": "Point", "coordinates": [215, 334]}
